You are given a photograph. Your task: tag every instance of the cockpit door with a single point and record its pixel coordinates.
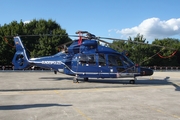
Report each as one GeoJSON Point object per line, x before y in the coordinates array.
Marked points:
{"type": "Point", "coordinates": [115, 62]}
{"type": "Point", "coordinates": [86, 65]}
{"type": "Point", "coordinates": [104, 70]}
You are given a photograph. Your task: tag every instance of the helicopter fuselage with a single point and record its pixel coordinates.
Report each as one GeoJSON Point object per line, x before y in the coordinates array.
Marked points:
{"type": "Point", "coordinates": [85, 60]}
{"type": "Point", "coordinates": [91, 60]}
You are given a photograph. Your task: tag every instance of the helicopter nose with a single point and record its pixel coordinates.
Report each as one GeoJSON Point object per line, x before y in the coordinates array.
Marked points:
{"type": "Point", "coordinates": [146, 72]}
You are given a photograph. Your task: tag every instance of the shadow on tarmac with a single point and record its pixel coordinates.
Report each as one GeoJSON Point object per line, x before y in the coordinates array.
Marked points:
{"type": "Point", "coordinates": [143, 82]}
{"type": "Point", "coordinates": [56, 78]}
{"type": "Point", "coordinates": [18, 107]}
{"type": "Point", "coordinates": [177, 87]}
{"type": "Point", "coordinates": [108, 83]}
{"type": "Point", "coordinates": [107, 80]}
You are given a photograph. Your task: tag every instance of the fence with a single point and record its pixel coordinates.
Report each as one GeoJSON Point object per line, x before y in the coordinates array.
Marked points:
{"type": "Point", "coordinates": [164, 68]}
{"type": "Point", "coordinates": [11, 67]}
{"type": "Point", "coordinates": [158, 68]}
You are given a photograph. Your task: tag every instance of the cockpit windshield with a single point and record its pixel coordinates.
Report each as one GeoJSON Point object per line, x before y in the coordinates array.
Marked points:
{"type": "Point", "coordinates": [119, 60]}
{"type": "Point", "coordinates": [114, 60]}
{"type": "Point", "coordinates": [126, 61]}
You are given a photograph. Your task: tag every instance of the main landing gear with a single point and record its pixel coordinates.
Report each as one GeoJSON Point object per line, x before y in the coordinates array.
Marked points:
{"type": "Point", "coordinates": [86, 79]}
{"type": "Point", "coordinates": [75, 79]}
{"type": "Point", "coordinates": [133, 81]}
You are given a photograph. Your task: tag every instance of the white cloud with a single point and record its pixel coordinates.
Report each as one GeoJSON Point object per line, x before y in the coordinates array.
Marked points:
{"type": "Point", "coordinates": [27, 21]}
{"type": "Point", "coordinates": [153, 28]}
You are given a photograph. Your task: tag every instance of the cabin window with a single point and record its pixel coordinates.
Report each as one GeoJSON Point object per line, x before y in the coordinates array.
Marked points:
{"type": "Point", "coordinates": [83, 59]}
{"type": "Point", "coordinates": [114, 60]}
{"type": "Point", "coordinates": [102, 60]}
{"type": "Point", "coordinates": [87, 59]}
{"type": "Point", "coordinates": [91, 59]}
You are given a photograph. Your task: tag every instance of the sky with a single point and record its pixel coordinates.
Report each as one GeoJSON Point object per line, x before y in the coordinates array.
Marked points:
{"type": "Point", "coordinates": [106, 18]}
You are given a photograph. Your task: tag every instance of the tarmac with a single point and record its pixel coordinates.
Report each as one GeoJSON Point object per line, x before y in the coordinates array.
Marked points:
{"type": "Point", "coordinates": [43, 95]}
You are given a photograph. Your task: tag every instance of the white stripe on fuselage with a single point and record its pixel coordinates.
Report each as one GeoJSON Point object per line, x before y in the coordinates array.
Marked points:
{"type": "Point", "coordinates": [83, 73]}
{"type": "Point", "coordinates": [52, 62]}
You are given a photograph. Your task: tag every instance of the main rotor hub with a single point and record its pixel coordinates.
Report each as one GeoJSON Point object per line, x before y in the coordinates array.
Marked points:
{"type": "Point", "coordinates": [82, 32]}
{"type": "Point", "coordinates": [88, 35]}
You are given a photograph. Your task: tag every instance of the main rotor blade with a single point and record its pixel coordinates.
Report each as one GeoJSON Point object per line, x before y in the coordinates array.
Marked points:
{"type": "Point", "coordinates": [109, 44]}
{"type": "Point", "coordinates": [49, 35]}
{"type": "Point", "coordinates": [65, 43]}
{"type": "Point", "coordinates": [115, 39]}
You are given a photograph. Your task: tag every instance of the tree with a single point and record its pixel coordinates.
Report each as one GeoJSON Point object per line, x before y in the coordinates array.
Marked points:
{"type": "Point", "coordinates": [168, 56]}
{"type": "Point", "coordinates": [40, 37]}
{"type": "Point", "coordinates": [140, 52]}
{"type": "Point", "coordinates": [7, 48]}
{"type": "Point", "coordinates": [137, 52]}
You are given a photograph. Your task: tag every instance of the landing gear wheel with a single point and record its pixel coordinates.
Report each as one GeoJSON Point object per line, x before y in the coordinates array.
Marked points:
{"type": "Point", "coordinates": [75, 80]}
{"type": "Point", "coordinates": [86, 79]}
{"type": "Point", "coordinates": [132, 81]}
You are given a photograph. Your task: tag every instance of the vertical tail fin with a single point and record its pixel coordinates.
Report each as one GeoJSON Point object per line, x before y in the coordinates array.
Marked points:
{"type": "Point", "coordinates": [20, 60]}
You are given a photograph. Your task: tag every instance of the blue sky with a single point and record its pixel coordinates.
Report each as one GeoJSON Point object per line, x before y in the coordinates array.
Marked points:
{"type": "Point", "coordinates": [107, 18]}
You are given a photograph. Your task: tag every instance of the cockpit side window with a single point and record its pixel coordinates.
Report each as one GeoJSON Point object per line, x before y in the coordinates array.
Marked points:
{"type": "Point", "coordinates": [91, 59]}
{"type": "Point", "coordinates": [114, 60]}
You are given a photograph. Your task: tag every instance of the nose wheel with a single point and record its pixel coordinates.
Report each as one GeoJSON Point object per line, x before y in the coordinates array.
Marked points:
{"type": "Point", "coordinates": [133, 81]}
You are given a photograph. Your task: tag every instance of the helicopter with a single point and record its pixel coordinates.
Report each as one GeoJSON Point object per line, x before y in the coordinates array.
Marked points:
{"type": "Point", "coordinates": [85, 58]}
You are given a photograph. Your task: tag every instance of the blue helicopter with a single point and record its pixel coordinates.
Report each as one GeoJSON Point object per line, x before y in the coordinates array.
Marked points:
{"type": "Point", "coordinates": [84, 58]}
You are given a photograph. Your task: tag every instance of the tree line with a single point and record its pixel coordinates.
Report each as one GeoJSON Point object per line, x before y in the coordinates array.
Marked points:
{"type": "Point", "coordinates": [161, 52]}
{"type": "Point", "coordinates": [42, 38]}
